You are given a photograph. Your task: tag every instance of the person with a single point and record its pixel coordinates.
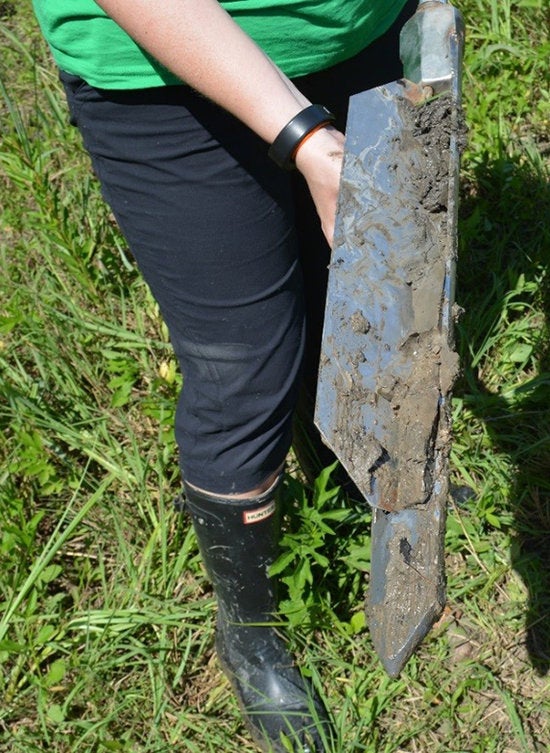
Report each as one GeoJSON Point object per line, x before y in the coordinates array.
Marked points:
{"type": "Point", "coordinates": [216, 132]}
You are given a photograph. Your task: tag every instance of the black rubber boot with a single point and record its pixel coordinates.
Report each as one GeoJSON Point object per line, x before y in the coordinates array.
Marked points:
{"type": "Point", "coordinates": [238, 541]}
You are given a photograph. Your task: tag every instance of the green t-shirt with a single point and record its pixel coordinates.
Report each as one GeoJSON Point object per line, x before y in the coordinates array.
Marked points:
{"type": "Point", "coordinates": [301, 36]}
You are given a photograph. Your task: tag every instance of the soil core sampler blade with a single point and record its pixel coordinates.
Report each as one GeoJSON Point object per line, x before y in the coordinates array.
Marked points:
{"type": "Point", "coordinates": [387, 361]}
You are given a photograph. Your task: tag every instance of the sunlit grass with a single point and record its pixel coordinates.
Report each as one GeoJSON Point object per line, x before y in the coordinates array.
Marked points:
{"type": "Point", "coordinates": [106, 618]}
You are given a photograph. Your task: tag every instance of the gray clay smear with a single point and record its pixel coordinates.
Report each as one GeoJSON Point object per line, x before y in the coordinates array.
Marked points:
{"type": "Point", "coordinates": [389, 364]}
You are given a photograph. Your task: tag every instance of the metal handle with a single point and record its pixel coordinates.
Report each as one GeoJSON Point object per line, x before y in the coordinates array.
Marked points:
{"type": "Point", "coordinates": [431, 45]}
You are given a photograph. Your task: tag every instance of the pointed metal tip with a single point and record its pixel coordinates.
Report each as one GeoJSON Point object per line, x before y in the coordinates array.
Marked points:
{"type": "Point", "coordinates": [393, 667]}
{"type": "Point", "coordinates": [395, 653]}
{"type": "Point", "coordinates": [407, 580]}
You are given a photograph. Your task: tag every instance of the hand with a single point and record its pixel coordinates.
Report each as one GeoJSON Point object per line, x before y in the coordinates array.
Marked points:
{"type": "Point", "coordinates": [319, 159]}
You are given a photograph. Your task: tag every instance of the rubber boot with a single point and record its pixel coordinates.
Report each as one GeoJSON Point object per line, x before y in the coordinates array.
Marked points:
{"type": "Point", "coordinates": [238, 541]}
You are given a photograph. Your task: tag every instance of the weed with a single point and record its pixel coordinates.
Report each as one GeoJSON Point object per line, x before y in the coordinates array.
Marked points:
{"type": "Point", "coordinates": [107, 622]}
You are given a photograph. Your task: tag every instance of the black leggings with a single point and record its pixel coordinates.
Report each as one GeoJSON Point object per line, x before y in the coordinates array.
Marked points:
{"type": "Point", "coordinates": [231, 247]}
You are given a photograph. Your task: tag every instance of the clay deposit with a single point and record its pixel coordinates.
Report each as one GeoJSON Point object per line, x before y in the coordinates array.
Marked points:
{"type": "Point", "coordinates": [388, 363]}
{"type": "Point", "coordinates": [393, 368]}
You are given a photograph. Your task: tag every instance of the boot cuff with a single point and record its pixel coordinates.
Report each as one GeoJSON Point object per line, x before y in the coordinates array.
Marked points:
{"type": "Point", "coordinates": [207, 508]}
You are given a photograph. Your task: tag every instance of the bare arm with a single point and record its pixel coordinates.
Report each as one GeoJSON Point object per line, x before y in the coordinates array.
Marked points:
{"type": "Point", "coordinates": [199, 42]}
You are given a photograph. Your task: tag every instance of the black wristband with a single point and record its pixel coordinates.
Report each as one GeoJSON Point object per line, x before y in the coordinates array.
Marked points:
{"type": "Point", "coordinates": [283, 149]}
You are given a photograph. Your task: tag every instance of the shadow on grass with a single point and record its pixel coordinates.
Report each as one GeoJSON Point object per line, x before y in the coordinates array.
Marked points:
{"type": "Point", "coordinates": [505, 231]}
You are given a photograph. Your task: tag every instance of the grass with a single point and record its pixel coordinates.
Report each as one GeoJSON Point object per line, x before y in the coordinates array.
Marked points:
{"type": "Point", "coordinates": [106, 625]}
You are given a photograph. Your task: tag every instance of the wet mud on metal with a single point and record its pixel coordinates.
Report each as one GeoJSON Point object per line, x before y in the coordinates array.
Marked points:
{"type": "Point", "coordinates": [393, 263]}
{"type": "Point", "coordinates": [408, 568]}
{"type": "Point", "coordinates": [389, 363]}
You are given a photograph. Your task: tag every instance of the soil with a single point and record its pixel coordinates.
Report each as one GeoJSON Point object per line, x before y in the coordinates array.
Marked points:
{"type": "Point", "coordinates": [392, 371]}
{"type": "Point", "coordinates": [433, 126]}
{"type": "Point", "coordinates": [389, 360]}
